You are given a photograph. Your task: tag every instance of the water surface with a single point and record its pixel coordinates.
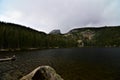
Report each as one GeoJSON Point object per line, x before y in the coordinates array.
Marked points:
{"type": "Point", "coordinates": [71, 64]}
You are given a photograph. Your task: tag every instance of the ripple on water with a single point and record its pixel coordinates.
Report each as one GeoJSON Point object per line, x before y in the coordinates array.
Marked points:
{"type": "Point", "coordinates": [71, 64]}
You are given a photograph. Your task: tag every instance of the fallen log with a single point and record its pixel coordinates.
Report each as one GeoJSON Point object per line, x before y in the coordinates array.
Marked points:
{"type": "Point", "coordinates": [8, 59]}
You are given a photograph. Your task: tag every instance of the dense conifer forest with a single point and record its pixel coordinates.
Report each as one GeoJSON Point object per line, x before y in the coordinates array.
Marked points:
{"type": "Point", "coordinates": [18, 37]}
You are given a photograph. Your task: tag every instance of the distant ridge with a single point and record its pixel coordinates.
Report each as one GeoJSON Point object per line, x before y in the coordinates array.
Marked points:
{"type": "Point", "coordinates": [17, 37]}
{"type": "Point", "coordinates": [18, 25]}
{"type": "Point", "coordinates": [56, 31]}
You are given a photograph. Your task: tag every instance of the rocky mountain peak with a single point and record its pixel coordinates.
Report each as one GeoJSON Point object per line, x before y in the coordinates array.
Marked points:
{"type": "Point", "coordinates": [56, 31]}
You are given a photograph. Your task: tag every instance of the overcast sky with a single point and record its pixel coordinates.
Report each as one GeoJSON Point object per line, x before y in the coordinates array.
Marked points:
{"type": "Point", "coordinates": [46, 15]}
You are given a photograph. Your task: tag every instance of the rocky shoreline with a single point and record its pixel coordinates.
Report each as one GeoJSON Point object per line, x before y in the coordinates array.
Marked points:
{"type": "Point", "coordinates": [42, 73]}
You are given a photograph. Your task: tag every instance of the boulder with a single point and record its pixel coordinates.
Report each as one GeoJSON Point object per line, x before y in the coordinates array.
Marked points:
{"type": "Point", "coordinates": [42, 73]}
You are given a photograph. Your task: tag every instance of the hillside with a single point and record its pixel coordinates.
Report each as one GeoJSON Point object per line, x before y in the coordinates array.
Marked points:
{"type": "Point", "coordinates": [97, 37]}
{"type": "Point", "coordinates": [13, 36]}
{"type": "Point", "coordinates": [17, 37]}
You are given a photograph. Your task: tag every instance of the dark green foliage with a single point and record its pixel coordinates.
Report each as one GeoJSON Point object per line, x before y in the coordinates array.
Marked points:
{"type": "Point", "coordinates": [103, 36]}
{"type": "Point", "coordinates": [59, 41]}
{"type": "Point", "coordinates": [109, 37]}
{"type": "Point", "coordinates": [13, 36]}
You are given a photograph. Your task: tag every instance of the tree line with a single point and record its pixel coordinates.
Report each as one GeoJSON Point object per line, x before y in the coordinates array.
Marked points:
{"type": "Point", "coordinates": [14, 36]}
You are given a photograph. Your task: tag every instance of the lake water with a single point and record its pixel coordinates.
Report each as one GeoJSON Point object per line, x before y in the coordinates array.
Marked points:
{"type": "Point", "coordinates": [71, 64]}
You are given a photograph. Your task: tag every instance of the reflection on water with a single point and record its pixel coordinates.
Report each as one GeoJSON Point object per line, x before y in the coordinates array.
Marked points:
{"type": "Point", "coordinates": [71, 64]}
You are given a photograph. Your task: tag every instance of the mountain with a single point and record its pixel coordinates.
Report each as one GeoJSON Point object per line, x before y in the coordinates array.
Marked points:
{"type": "Point", "coordinates": [18, 37]}
{"type": "Point", "coordinates": [97, 37]}
{"type": "Point", "coordinates": [56, 31]}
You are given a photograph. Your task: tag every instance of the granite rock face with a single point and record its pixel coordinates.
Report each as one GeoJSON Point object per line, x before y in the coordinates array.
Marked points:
{"type": "Point", "coordinates": [57, 31]}
{"type": "Point", "coordinates": [42, 73]}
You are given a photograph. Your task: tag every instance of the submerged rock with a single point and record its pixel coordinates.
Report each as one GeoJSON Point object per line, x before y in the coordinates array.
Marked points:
{"type": "Point", "coordinates": [42, 73]}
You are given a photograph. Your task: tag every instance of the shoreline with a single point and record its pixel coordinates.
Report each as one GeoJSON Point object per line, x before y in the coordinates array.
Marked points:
{"type": "Point", "coordinates": [18, 49]}
{"type": "Point", "coordinates": [33, 49]}
{"type": "Point", "coordinates": [26, 49]}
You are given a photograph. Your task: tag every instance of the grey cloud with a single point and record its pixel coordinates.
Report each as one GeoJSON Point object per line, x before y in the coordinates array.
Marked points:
{"type": "Point", "coordinates": [47, 15]}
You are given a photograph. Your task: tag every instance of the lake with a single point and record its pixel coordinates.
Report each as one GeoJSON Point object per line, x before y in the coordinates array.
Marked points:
{"type": "Point", "coordinates": [71, 64]}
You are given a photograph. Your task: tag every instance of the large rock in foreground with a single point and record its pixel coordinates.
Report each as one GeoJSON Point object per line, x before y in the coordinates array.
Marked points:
{"type": "Point", "coordinates": [42, 73]}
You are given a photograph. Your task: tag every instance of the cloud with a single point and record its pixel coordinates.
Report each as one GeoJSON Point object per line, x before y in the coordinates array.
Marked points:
{"type": "Point", "coordinates": [111, 14]}
{"type": "Point", "coordinates": [47, 15]}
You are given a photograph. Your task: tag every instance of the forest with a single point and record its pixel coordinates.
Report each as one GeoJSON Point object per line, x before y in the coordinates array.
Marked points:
{"type": "Point", "coordinates": [18, 37]}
